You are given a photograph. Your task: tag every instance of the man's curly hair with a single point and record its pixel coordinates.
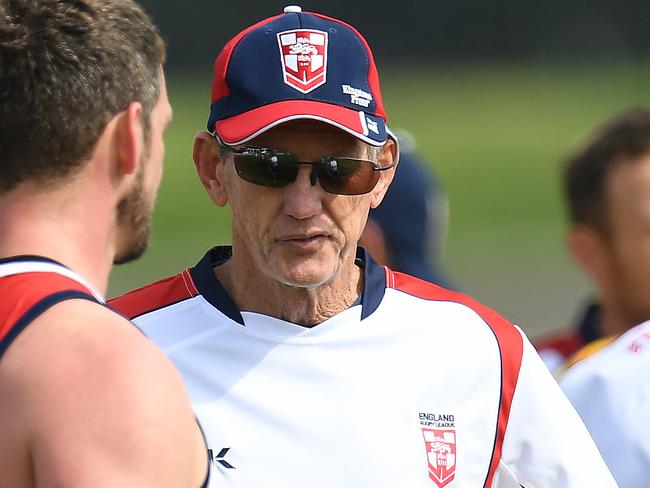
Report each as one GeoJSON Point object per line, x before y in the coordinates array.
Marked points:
{"type": "Point", "coordinates": [67, 67]}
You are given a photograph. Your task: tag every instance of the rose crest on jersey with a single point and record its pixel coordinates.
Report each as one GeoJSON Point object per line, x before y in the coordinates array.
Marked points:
{"type": "Point", "coordinates": [303, 53]}
{"type": "Point", "coordinates": [441, 454]}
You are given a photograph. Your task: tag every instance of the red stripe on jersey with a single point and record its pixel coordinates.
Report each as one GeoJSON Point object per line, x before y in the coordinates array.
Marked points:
{"type": "Point", "coordinates": [509, 339]}
{"type": "Point", "coordinates": [20, 292]}
{"type": "Point", "coordinates": [156, 295]}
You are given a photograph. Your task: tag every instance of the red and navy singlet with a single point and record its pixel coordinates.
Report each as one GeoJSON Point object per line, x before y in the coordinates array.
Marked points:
{"type": "Point", "coordinates": [30, 285]}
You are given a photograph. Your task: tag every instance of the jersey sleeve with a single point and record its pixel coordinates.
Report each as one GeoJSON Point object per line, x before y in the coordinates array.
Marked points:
{"type": "Point", "coordinates": [546, 445]}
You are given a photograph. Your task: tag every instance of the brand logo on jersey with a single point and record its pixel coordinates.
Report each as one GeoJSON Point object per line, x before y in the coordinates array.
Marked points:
{"type": "Point", "coordinates": [304, 58]}
{"type": "Point", "coordinates": [640, 343]}
{"type": "Point", "coordinates": [219, 458]}
{"type": "Point", "coordinates": [440, 445]}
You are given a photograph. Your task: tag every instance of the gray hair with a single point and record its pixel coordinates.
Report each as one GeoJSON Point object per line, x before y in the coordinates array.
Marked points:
{"type": "Point", "coordinates": [374, 153]}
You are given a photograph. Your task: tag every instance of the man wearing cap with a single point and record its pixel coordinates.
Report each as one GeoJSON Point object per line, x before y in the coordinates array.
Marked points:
{"type": "Point", "coordinates": [308, 364]}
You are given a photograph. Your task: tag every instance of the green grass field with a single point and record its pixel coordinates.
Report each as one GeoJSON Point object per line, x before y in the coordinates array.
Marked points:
{"type": "Point", "coordinates": [494, 134]}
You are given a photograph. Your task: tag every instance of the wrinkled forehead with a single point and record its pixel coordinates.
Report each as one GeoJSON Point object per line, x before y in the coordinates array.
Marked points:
{"type": "Point", "coordinates": [310, 137]}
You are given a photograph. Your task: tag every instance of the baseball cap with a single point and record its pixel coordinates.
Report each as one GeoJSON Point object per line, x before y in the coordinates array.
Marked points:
{"type": "Point", "coordinates": [296, 65]}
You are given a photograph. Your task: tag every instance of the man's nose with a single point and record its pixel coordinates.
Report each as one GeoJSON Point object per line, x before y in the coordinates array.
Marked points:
{"type": "Point", "coordinates": [303, 197]}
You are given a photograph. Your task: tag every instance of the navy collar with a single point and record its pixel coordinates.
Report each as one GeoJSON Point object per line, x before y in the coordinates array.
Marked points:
{"type": "Point", "coordinates": [374, 283]}
{"type": "Point", "coordinates": [210, 287]}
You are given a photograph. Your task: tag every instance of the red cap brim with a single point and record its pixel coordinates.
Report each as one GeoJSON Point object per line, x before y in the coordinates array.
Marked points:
{"type": "Point", "coordinates": [241, 128]}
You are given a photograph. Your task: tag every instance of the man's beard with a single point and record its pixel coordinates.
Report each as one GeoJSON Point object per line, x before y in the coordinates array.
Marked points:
{"type": "Point", "coordinates": [134, 213]}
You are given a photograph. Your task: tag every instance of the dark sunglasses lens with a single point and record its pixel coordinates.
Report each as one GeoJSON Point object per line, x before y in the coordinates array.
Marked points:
{"type": "Point", "coordinates": [273, 169]}
{"type": "Point", "coordinates": [347, 176]}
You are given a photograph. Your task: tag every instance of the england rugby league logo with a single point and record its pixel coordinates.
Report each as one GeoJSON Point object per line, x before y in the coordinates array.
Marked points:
{"type": "Point", "coordinates": [304, 58]}
{"type": "Point", "coordinates": [440, 445]}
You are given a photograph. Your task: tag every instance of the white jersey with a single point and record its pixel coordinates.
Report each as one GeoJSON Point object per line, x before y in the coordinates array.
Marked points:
{"type": "Point", "coordinates": [415, 387]}
{"type": "Point", "coordinates": [611, 391]}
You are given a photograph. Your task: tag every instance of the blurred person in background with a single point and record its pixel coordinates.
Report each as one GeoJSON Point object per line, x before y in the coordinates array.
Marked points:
{"type": "Point", "coordinates": [85, 398]}
{"type": "Point", "coordinates": [408, 230]}
{"type": "Point", "coordinates": [608, 381]}
{"type": "Point", "coordinates": [607, 191]}
{"type": "Point", "coordinates": [610, 389]}
{"type": "Point", "coordinates": [308, 363]}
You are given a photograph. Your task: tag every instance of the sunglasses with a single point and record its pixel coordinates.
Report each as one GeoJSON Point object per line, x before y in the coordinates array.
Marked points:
{"type": "Point", "coordinates": [338, 175]}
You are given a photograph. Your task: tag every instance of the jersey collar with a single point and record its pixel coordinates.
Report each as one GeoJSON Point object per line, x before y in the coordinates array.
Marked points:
{"type": "Point", "coordinates": [210, 288]}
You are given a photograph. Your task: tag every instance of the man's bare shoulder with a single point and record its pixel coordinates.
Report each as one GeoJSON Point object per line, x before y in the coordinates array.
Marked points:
{"type": "Point", "coordinates": [80, 340]}
{"type": "Point", "coordinates": [81, 383]}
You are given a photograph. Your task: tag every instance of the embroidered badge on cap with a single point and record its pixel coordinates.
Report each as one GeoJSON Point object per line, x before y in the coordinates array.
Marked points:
{"type": "Point", "coordinates": [303, 53]}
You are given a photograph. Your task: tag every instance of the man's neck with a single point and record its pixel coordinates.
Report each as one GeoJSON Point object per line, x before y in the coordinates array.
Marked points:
{"type": "Point", "coordinates": [61, 227]}
{"type": "Point", "coordinates": [255, 291]}
{"type": "Point", "coordinates": [614, 322]}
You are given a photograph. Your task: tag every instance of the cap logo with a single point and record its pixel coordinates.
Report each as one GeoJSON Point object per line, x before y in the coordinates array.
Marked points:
{"type": "Point", "coordinates": [357, 95]}
{"type": "Point", "coordinates": [303, 53]}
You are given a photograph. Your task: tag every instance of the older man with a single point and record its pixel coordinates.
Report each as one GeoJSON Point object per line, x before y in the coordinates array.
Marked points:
{"type": "Point", "coordinates": [85, 398]}
{"type": "Point", "coordinates": [307, 363]}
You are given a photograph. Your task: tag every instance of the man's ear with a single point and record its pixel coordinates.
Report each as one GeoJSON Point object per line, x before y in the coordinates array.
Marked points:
{"type": "Point", "coordinates": [210, 167]}
{"type": "Point", "coordinates": [130, 139]}
{"type": "Point", "coordinates": [589, 250]}
{"type": "Point", "coordinates": [387, 156]}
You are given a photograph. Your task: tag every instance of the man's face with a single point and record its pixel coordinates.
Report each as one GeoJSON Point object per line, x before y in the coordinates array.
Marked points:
{"type": "Point", "coordinates": [299, 234]}
{"type": "Point", "coordinates": [627, 193]}
{"type": "Point", "coordinates": [135, 210]}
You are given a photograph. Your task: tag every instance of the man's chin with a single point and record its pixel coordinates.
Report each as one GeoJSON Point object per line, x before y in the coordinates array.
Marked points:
{"type": "Point", "coordinates": [305, 276]}
{"type": "Point", "coordinates": [309, 270]}
{"type": "Point", "coordinates": [133, 253]}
